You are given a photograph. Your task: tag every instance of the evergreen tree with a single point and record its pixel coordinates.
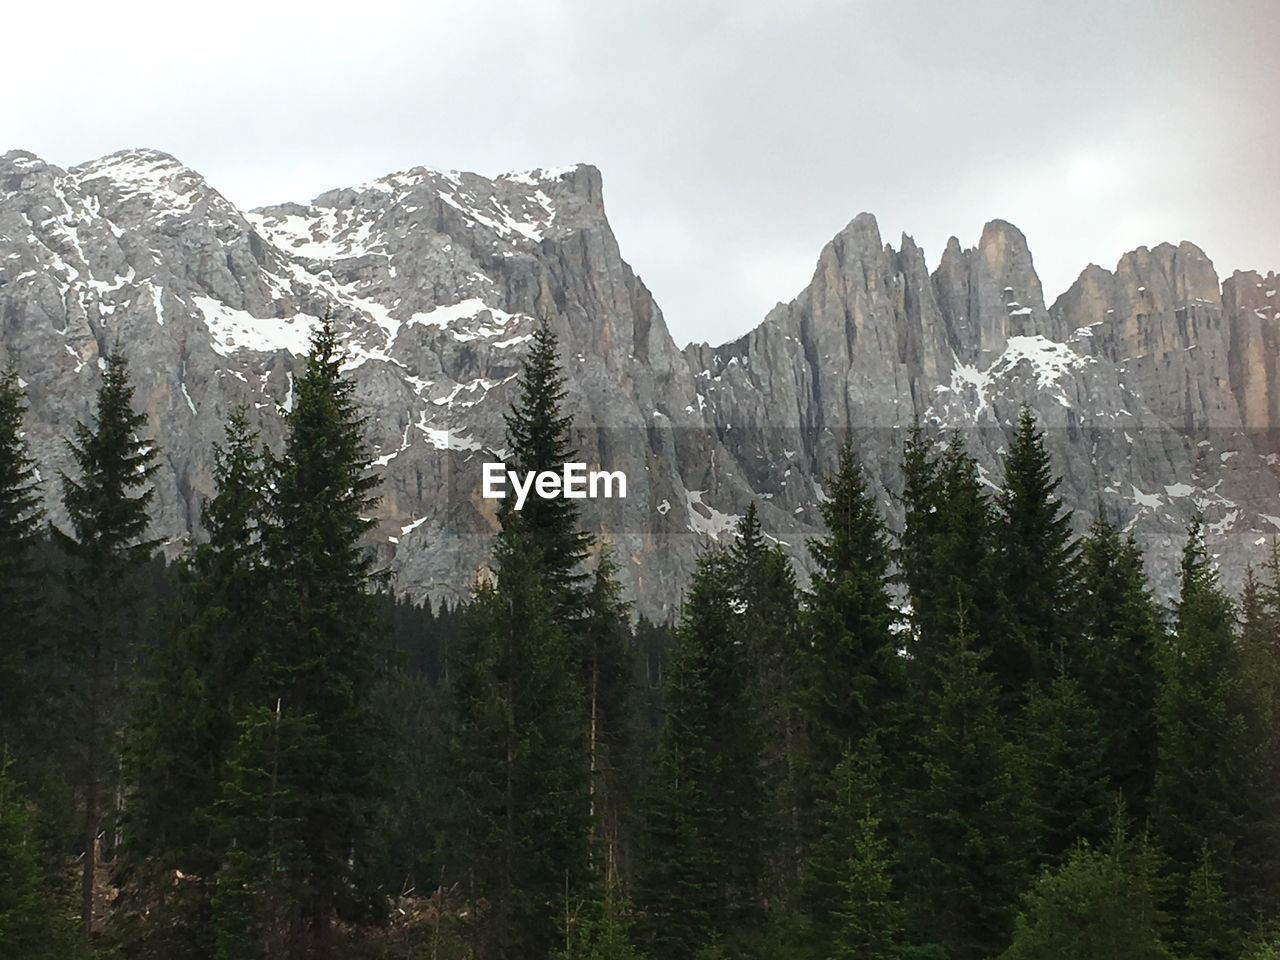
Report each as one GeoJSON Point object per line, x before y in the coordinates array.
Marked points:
{"type": "Point", "coordinates": [1102, 904]}
{"type": "Point", "coordinates": [541, 707]}
{"type": "Point", "coordinates": [849, 884]}
{"type": "Point", "coordinates": [186, 721]}
{"type": "Point", "coordinates": [35, 921]}
{"type": "Point", "coordinates": [948, 556]}
{"type": "Point", "coordinates": [538, 435]}
{"type": "Point", "coordinates": [605, 935]}
{"type": "Point", "coordinates": [319, 656]}
{"type": "Point", "coordinates": [702, 826]}
{"type": "Point", "coordinates": [854, 680]}
{"type": "Point", "coordinates": [1209, 925]}
{"type": "Point", "coordinates": [1116, 659]}
{"type": "Point", "coordinates": [964, 843]}
{"type": "Point", "coordinates": [916, 550]}
{"type": "Point", "coordinates": [260, 898]}
{"type": "Point", "coordinates": [767, 609]}
{"type": "Point", "coordinates": [1202, 774]}
{"type": "Point", "coordinates": [521, 818]}
{"type": "Point", "coordinates": [1064, 770]}
{"type": "Point", "coordinates": [1267, 950]}
{"type": "Point", "coordinates": [609, 686]}
{"type": "Point", "coordinates": [107, 505]}
{"type": "Point", "coordinates": [1260, 658]}
{"type": "Point", "coordinates": [1039, 556]}
{"type": "Point", "coordinates": [20, 520]}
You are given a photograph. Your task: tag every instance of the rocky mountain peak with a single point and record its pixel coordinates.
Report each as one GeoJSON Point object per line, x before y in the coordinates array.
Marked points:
{"type": "Point", "coordinates": [1158, 389]}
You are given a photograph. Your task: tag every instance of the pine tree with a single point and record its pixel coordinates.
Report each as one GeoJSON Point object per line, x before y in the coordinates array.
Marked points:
{"type": "Point", "coordinates": [854, 679]}
{"type": "Point", "coordinates": [767, 606]}
{"type": "Point", "coordinates": [916, 549]}
{"type": "Point", "coordinates": [1039, 556]}
{"type": "Point", "coordinates": [186, 722]}
{"type": "Point", "coordinates": [259, 902]}
{"type": "Point", "coordinates": [21, 516]}
{"type": "Point", "coordinates": [604, 935]}
{"type": "Point", "coordinates": [1267, 950]}
{"type": "Point", "coordinates": [35, 922]}
{"type": "Point", "coordinates": [107, 505]}
{"type": "Point", "coordinates": [541, 707]}
{"type": "Point", "coordinates": [1116, 659]}
{"type": "Point", "coordinates": [521, 817]}
{"type": "Point", "coordinates": [538, 435]}
{"type": "Point", "coordinates": [948, 555]}
{"type": "Point", "coordinates": [848, 882]}
{"type": "Point", "coordinates": [609, 686]}
{"type": "Point", "coordinates": [319, 653]}
{"type": "Point", "coordinates": [1202, 768]}
{"type": "Point", "coordinates": [1260, 656]}
{"type": "Point", "coordinates": [1064, 770]}
{"type": "Point", "coordinates": [702, 825]}
{"type": "Point", "coordinates": [1102, 904]}
{"type": "Point", "coordinates": [1209, 925]}
{"type": "Point", "coordinates": [964, 834]}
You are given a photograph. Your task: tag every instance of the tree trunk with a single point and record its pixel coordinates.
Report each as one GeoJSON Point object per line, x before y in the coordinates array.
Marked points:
{"type": "Point", "coordinates": [92, 788]}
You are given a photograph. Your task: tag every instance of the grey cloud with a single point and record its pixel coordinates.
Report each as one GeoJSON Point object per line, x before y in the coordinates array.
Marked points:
{"type": "Point", "coordinates": [735, 138]}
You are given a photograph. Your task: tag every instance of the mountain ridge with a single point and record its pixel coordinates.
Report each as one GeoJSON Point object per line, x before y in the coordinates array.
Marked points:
{"type": "Point", "coordinates": [1145, 376]}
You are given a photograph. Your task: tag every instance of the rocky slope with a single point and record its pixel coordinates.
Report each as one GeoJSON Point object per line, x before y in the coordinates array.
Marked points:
{"type": "Point", "coordinates": [1159, 386]}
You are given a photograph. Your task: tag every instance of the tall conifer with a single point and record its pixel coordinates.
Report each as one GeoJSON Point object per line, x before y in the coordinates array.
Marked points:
{"type": "Point", "coordinates": [107, 504]}
{"type": "Point", "coordinates": [703, 830]}
{"type": "Point", "coordinates": [1116, 659]}
{"type": "Point", "coordinates": [538, 434]}
{"type": "Point", "coordinates": [1038, 557]}
{"type": "Point", "coordinates": [188, 707]}
{"type": "Point", "coordinates": [319, 659]}
{"type": "Point", "coordinates": [1203, 772]}
{"type": "Point", "coordinates": [965, 839]}
{"type": "Point", "coordinates": [767, 606]}
{"type": "Point", "coordinates": [855, 678]}
{"type": "Point", "coordinates": [20, 521]}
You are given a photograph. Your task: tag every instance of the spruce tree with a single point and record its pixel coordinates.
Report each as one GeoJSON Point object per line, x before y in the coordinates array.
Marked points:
{"type": "Point", "coordinates": [1260, 656]}
{"type": "Point", "coordinates": [1063, 770]}
{"type": "Point", "coordinates": [854, 681]}
{"type": "Point", "coordinates": [917, 553]}
{"type": "Point", "coordinates": [21, 516]}
{"type": "Point", "coordinates": [36, 922]}
{"type": "Point", "coordinates": [1038, 556]}
{"type": "Point", "coordinates": [538, 435]}
{"type": "Point", "coordinates": [701, 856]}
{"type": "Point", "coordinates": [1101, 904]}
{"type": "Point", "coordinates": [260, 899]}
{"type": "Point", "coordinates": [948, 557]}
{"type": "Point", "coordinates": [1209, 930]}
{"type": "Point", "coordinates": [767, 605]}
{"type": "Point", "coordinates": [965, 831]}
{"type": "Point", "coordinates": [107, 505]}
{"type": "Point", "coordinates": [1202, 771]}
{"type": "Point", "coordinates": [1116, 659]}
{"type": "Point", "coordinates": [541, 706]}
{"type": "Point", "coordinates": [849, 888]}
{"type": "Point", "coordinates": [520, 824]}
{"type": "Point", "coordinates": [612, 733]}
{"type": "Point", "coordinates": [319, 656]}
{"type": "Point", "coordinates": [188, 708]}
{"type": "Point", "coordinates": [604, 935]}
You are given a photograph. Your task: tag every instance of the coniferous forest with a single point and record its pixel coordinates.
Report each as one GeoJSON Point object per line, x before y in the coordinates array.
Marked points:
{"type": "Point", "coordinates": [979, 736]}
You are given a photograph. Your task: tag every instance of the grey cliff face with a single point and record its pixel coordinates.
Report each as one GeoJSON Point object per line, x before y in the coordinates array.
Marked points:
{"type": "Point", "coordinates": [1158, 386]}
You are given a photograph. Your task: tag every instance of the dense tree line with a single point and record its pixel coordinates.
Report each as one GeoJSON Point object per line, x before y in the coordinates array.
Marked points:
{"type": "Point", "coordinates": [978, 736]}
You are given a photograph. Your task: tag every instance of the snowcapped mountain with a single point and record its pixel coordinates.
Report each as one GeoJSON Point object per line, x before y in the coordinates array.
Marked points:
{"type": "Point", "coordinates": [1158, 385]}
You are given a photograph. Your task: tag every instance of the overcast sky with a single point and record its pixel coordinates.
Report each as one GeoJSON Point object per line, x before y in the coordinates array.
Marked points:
{"type": "Point", "coordinates": [735, 137]}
